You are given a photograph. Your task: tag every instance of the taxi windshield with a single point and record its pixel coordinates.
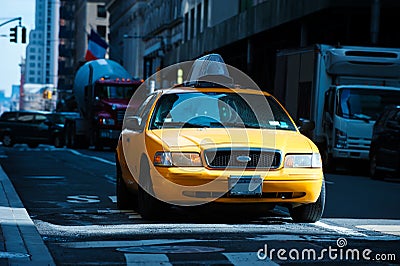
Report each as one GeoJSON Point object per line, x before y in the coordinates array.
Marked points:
{"type": "Point", "coordinates": [219, 109]}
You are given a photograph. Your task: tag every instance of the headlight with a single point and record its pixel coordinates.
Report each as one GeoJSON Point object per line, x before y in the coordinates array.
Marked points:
{"type": "Point", "coordinates": [107, 121]}
{"type": "Point", "coordinates": [340, 139]}
{"type": "Point", "coordinates": [303, 160]}
{"type": "Point", "coordinates": [180, 159]}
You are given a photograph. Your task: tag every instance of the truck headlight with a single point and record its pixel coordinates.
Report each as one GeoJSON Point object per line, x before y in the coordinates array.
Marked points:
{"type": "Point", "coordinates": [107, 121]}
{"type": "Point", "coordinates": [180, 159]}
{"type": "Point", "coordinates": [303, 160]}
{"type": "Point", "coordinates": [340, 139]}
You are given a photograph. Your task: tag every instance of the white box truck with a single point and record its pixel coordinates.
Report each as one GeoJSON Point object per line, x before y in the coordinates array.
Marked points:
{"type": "Point", "coordinates": [342, 89]}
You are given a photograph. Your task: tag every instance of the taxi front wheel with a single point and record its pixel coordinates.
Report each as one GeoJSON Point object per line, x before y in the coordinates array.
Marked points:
{"type": "Point", "coordinates": [125, 201]}
{"type": "Point", "coordinates": [150, 208]}
{"type": "Point", "coordinates": [312, 212]}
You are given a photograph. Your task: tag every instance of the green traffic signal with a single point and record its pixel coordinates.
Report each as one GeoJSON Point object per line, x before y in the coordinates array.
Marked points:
{"type": "Point", "coordinates": [13, 34]}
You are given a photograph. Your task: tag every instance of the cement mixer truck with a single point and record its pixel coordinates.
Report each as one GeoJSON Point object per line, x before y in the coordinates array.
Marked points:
{"type": "Point", "coordinates": [102, 89]}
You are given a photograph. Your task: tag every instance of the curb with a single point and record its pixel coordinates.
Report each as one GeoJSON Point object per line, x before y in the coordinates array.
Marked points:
{"type": "Point", "coordinates": [22, 241]}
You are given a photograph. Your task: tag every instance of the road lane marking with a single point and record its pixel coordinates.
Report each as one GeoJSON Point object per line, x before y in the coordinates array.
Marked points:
{"type": "Point", "coordinates": [339, 229]}
{"type": "Point", "coordinates": [119, 244]}
{"type": "Point", "coordinates": [386, 229]}
{"type": "Point", "coordinates": [45, 177]}
{"type": "Point", "coordinates": [147, 259]}
{"type": "Point", "coordinates": [277, 237]}
{"type": "Point", "coordinates": [113, 199]}
{"type": "Point", "coordinates": [92, 157]}
{"type": "Point", "coordinates": [83, 199]}
{"type": "Point", "coordinates": [111, 179]}
{"type": "Point", "coordinates": [247, 258]}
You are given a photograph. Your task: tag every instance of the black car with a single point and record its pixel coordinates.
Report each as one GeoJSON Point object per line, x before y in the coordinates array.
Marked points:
{"type": "Point", "coordinates": [32, 128]}
{"type": "Point", "coordinates": [385, 146]}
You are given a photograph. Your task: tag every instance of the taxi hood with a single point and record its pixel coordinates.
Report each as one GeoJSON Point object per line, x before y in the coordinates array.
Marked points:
{"type": "Point", "coordinates": [205, 138]}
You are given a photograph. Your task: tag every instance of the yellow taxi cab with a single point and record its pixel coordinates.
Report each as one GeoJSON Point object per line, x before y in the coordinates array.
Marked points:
{"type": "Point", "coordinates": [203, 142]}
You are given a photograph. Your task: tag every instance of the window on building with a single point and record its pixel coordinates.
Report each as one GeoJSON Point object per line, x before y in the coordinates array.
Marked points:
{"type": "Point", "coordinates": [32, 80]}
{"type": "Point", "coordinates": [101, 11]}
{"type": "Point", "coordinates": [191, 23]}
{"type": "Point", "coordinates": [32, 49]}
{"type": "Point", "coordinates": [205, 16]}
{"type": "Point", "coordinates": [102, 31]}
{"type": "Point", "coordinates": [32, 64]}
{"type": "Point", "coordinates": [32, 57]}
{"type": "Point", "coordinates": [198, 19]}
{"type": "Point", "coordinates": [186, 25]}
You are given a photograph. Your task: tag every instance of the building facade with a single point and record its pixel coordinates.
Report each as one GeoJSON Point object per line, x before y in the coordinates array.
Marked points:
{"type": "Point", "coordinates": [66, 59]}
{"type": "Point", "coordinates": [89, 14]}
{"type": "Point", "coordinates": [42, 51]}
{"type": "Point", "coordinates": [248, 33]}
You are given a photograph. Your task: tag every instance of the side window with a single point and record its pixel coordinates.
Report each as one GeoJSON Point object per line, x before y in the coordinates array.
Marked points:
{"type": "Point", "coordinates": [9, 117]}
{"type": "Point", "coordinates": [144, 110]}
{"type": "Point", "coordinates": [40, 118]}
{"type": "Point", "coordinates": [25, 118]}
{"type": "Point", "coordinates": [141, 110]}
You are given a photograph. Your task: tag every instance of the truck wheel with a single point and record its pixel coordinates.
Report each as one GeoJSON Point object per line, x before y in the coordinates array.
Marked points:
{"type": "Point", "coordinates": [58, 141]}
{"type": "Point", "coordinates": [124, 198]}
{"type": "Point", "coordinates": [312, 212]}
{"type": "Point", "coordinates": [149, 207]}
{"type": "Point", "coordinates": [69, 137]}
{"type": "Point", "coordinates": [374, 173]}
{"type": "Point", "coordinates": [8, 140]}
{"type": "Point", "coordinates": [33, 145]}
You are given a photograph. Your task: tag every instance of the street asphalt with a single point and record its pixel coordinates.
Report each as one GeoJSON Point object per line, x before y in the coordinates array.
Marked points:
{"type": "Point", "coordinates": [20, 241]}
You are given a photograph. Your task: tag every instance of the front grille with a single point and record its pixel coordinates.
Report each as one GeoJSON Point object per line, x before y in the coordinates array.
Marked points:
{"type": "Point", "coordinates": [120, 116]}
{"type": "Point", "coordinates": [242, 158]}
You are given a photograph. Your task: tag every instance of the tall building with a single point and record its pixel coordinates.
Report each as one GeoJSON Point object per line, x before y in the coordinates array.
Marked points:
{"type": "Point", "coordinates": [89, 14]}
{"type": "Point", "coordinates": [66, 56]}
{"type": "Point", "coordinates": [247, 33]}
{"type": "Point", "coordinates": [42, 50]}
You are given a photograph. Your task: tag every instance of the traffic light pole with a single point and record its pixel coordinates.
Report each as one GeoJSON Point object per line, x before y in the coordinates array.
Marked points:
{"type": "Point", "coordinates": [11, 20]}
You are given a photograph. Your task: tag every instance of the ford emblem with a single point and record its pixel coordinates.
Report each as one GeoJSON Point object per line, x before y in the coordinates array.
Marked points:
{"type": "Point", "coordinates": [243, 159]}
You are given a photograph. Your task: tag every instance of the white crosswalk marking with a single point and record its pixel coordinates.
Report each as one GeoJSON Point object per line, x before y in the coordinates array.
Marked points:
{"type": "Point", "coordinates": [147, 259]}
{"type": "Point", "coordinates": [247, 258]}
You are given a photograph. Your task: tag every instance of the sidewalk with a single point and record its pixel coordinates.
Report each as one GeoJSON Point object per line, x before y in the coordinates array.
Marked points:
{"type": "Point", "coordinates": [20, 242]}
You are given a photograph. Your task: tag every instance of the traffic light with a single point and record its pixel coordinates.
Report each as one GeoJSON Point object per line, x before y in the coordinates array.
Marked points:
{"type": "Point", "coordinates": [23, 35]}
{"type": "Point", "coordinates": [13, 34]}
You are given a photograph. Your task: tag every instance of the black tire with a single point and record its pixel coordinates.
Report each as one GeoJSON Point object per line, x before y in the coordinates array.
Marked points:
{"type": "Point", "coordinates": [312, 212]}
{"type": "Point", "coordinates": [69, 136]}
{"type": "Point", "coordinates": [98, 144]}
{"type": "Point", "coordinates": [8, 140]}
{"type": "Point", "coordinates": [124, 198]}
{"type": "Point", "coordinates": [330, 164]}
{"type": "Point", "coordinates": [149, 207]}
{"type": "Point", "coordinates": [374, 173]}
{"type": "Point", "coordinates": [58, 141]}
{"type": "Point", "coordinates": [33, 145]}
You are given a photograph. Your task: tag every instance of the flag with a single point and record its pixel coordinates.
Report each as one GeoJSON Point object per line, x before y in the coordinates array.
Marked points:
{"type": "Point", "coordinates": [97, 47]}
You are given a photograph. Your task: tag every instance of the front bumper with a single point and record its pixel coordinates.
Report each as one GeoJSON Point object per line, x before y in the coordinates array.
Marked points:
{"type": "Point", "coordinates": [109, 134]}
{"type": "Point", "coordinates": [188, 186]}
{"type": "Point", "coordinates": [354, 154]}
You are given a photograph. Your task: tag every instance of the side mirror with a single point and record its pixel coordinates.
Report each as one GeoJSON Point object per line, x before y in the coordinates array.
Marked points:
{"type": "Point", "coordinates": [306, 126]}
{"type": "Point", "coordinates": [133, 122]}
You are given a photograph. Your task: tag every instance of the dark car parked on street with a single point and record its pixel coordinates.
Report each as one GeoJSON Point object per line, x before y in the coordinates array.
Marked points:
{"type": "Point", "coordinates": [32, 128]}
{"type": "Point", "coordinates": [385, 146]}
